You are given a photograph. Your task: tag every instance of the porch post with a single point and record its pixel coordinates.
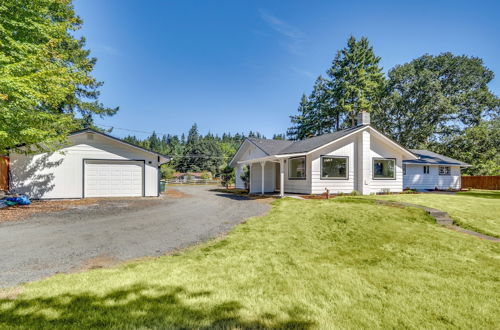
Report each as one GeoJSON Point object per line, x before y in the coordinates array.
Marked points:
{"type": "Point", "coordinates": [262, 165]}
{"type": "Point", "coordinates": [282, 178]}
{"type": "Point", "coordinates": [250, 178]}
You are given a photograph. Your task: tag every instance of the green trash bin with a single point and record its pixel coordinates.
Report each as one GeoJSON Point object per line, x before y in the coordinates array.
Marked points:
{"type": "Point", "coordinates": [162, 186]}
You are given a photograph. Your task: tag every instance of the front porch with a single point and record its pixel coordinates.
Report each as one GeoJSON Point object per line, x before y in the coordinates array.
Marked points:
{"type": "Point", "coordinates": [267, 176]}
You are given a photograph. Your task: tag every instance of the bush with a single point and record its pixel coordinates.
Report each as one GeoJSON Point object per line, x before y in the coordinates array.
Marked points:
{"type": "Point", "coordinates": [227, 176]}
{"type": "Point", "coordinates": [355, 193]}
{"type": "Point", "coordinates": [167, 172]}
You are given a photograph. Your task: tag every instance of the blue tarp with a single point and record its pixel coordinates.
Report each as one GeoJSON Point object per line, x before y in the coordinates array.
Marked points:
{"type": "Point", "coordinates": [21, 200]}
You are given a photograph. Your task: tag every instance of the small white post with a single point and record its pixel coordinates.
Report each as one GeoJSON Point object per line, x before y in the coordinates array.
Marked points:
{"type": "Point", "coordinates": [262, 166]}
{"type": "Point", "coordinates": [282, 178]}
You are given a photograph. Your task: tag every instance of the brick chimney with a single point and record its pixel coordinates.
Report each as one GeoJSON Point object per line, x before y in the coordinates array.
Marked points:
{"type": "Point", "coordinates": [363, 118]}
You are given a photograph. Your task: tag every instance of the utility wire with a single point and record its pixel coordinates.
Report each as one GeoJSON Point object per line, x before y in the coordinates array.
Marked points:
{"type": "Point", "coordinates": [173, 156]}
{"type": "Point", "coordinates": [131, 130]}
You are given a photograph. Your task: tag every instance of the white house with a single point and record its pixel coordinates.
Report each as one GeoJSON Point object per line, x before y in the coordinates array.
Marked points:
{"type": "Point", "coordinates": [358, 158]}
{"type": "Point", "coordinates": [94, 164]}
{"type": "Point", "coordinates": [432, 171]}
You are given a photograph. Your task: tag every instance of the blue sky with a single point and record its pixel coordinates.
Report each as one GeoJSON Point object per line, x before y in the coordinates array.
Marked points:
{"type": "Point", "coordinates": [240, 65]}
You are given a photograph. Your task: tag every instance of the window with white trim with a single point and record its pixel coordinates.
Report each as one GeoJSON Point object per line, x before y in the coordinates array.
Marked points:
{"type": "Point", "coordinates": [297, 168]}
{"type": "Point", "coordinates": [426, 169]}
{"type": "Point", "coordinates": [444, 170]}
{"type": "Point", "coordinates": [384, 168]}
{"type": "Point", "coordinates": [334, 167]}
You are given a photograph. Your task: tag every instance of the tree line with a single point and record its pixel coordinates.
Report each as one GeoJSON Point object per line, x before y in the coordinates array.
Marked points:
{"type": "Point", "coordinates": [196, 152]}
{"type": "Point", "coordinates": [436, 102]}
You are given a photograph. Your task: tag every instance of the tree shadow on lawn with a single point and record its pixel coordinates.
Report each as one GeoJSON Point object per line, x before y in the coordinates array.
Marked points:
{"type": "Point", "coordinates": [138, 306]}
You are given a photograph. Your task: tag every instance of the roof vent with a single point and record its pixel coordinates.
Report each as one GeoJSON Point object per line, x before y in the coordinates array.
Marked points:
{"type": "Point", "coordinates": [90, 136]}
{"type": "Point", "coordinates": [363, 118]}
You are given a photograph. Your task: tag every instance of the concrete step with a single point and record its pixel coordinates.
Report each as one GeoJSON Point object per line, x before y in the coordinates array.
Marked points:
{"type": "Point", "coordinates": [438, 214]}
{"type": "Point", "coordinates": [445, 221]}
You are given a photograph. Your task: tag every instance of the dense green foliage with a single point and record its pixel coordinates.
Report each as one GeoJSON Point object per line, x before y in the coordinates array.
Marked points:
{"type": "Point", "coordinates": [46, 86]}
{"type": "Point", "coordinates": [355, 83]}
{"type": "Point", "coordinates": [441, 103]}
{"type": "Point", "coordinates": [476, 145]}
{"type": "Point", "coordinates": [344, 263]}
{"type": "Point", "coordinates": [227, 176]}
{"type": "Point", "coordinates": [197, 152]}
{"type": "Point", "coordinates": [436, 97]}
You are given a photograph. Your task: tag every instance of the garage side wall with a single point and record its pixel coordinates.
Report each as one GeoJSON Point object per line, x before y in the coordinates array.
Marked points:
{"type": "Point", "coordinates": [60, 174]}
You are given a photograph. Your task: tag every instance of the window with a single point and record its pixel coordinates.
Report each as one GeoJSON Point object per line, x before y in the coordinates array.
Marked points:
{"type": "Point", "coordinates": [297, 168]}
{"type": "Point", "coordinates": [426, 169]}
{"type": "Point", "coordinates": [444, 170]}
{"type": "Point", "coordinates": [404, 169]}
{"type": "Point", "coordinates": [384, 168]}
{"type": "Point", "coordinates": [334, 167]}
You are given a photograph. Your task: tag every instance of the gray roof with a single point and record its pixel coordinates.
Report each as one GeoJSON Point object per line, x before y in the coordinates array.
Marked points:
{"type": "Point", "coordinates": [284, 147]}
{"type": "Point", "coordinates": [271, 147]}
{"type": "Point", "coordinates": [429, 157]}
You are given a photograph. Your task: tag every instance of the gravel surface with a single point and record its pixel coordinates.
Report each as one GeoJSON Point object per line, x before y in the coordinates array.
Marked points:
{"type": "Point", "coordinates": [114, 230]}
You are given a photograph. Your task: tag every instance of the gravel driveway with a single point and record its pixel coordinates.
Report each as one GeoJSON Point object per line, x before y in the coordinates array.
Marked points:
{"type": "Point", "coordinates": [115, 230]}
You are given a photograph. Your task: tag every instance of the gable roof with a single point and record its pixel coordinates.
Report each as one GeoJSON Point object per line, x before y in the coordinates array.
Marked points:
{"type": "Point", "coordinates": [429, 157]}
{"type": "Point", "coordinates": [90, 130]}
{"type": "Point", "coordinates": [270, 147]}
{"type": "Point", "coordinates": [310, 144]}
{"type": "Point", "coordinates": [284, 147]}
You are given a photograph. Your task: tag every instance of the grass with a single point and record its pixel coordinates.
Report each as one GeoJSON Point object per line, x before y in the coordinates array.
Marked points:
{"type": "Point", "coordinates": [478, 210]}
{"type": "Point", "coordinates": [340, 263]}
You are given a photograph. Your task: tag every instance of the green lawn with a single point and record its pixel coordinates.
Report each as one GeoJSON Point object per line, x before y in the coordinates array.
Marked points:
{"type": "Point", "coordinates": [478, 210]}
{"type": "Point", "coordinates": [340, 263]}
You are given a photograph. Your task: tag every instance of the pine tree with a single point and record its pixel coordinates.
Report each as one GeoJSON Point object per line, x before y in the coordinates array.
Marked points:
{"type": "Point", "coordinates": [155, 143]}
{"type": "Point", "coordinates": [356, 80]}
{"type": "Point", "coordinates": [301, 128]}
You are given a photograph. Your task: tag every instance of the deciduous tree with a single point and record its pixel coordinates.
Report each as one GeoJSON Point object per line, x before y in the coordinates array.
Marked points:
{"type": "Point", "coordinates": [45, 74]}
{"type": "Point", "coordinates": [435, 97]}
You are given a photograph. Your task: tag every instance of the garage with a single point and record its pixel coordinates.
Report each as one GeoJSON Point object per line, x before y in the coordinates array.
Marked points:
{"type": "Point", "coordinates": [113, 178]}
{"type": "Point", "coordinates": [90, 164]}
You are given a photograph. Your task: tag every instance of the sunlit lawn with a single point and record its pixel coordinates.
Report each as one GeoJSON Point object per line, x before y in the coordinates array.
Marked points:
{"type": "Point", "coordinates": [478, 210]}
{"type": "Point", "coordinates": [340, 263]}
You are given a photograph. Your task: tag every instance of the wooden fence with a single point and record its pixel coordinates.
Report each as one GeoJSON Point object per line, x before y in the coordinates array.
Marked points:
{"type": "Point", "coordinates": [4, 173]}
{"type": "Point", "coordinates": [481, 182]}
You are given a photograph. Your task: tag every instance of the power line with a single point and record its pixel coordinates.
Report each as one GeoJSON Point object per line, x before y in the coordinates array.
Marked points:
{"type": "Point", "coordinates": [130, 130]}
{"type": "Point", "coordinates": [173, 156]}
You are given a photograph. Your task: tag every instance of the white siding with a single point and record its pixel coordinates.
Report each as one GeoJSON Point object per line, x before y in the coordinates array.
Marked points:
{"type": "Point", "coordinates": [416, 179]}
{"type": "Point", "coordinates": [344, 148]}
{"type": "Point", "coordinates": [256, 178]}
{"type": "Point", "coordinates": [239, 184]}
{"type": "Point", "coordinates": [60, 174]}
{"type": "Point", "coordinates": [298, 186]}
{"type": "Point", "coordinates": [380, 149]}
{"type": "Point", "coordinates": [248, 151]}
{"type": "Point", "coordinates": [361, 148]}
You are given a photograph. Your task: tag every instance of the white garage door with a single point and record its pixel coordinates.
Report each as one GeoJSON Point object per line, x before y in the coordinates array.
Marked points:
{"type": "Point", "coordinates": [111, 178]}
